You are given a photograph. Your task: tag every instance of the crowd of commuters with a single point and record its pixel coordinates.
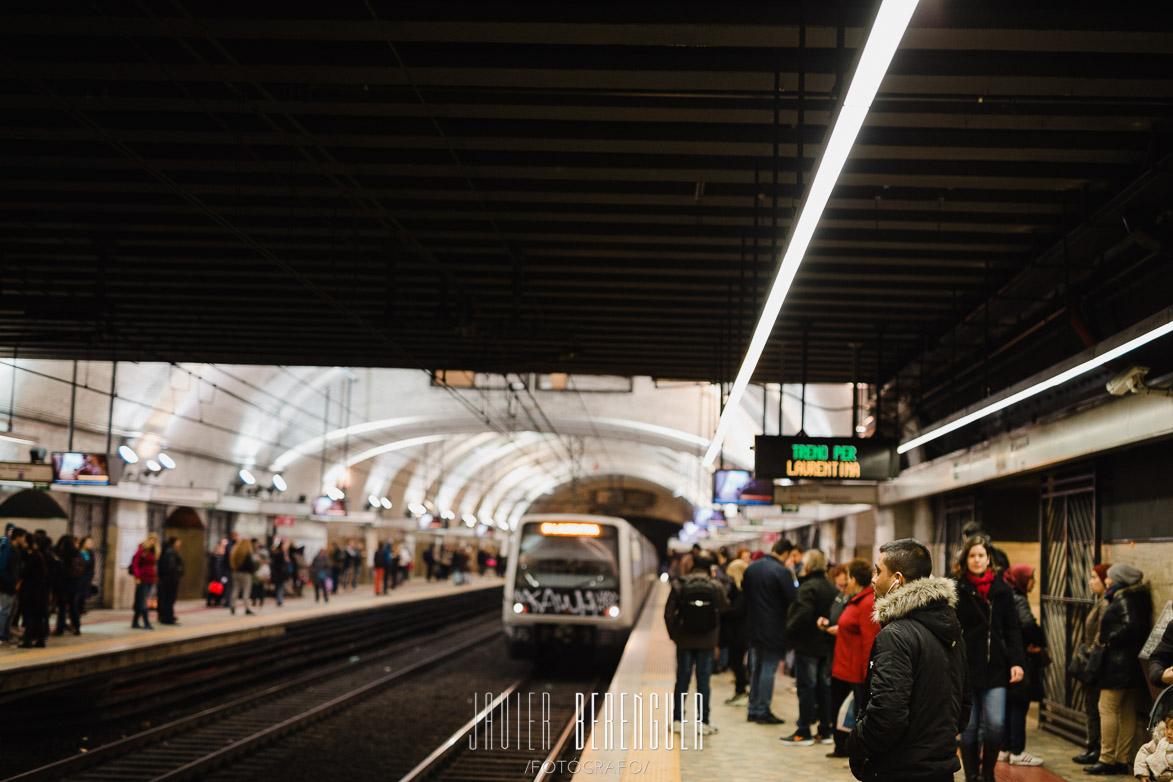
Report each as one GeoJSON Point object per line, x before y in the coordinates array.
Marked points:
{"type": "Point", "coordinates": [39, 579]}
{"type": "Point", "coordinates": [912, 675]}
{"type": "Point", "coordinates": [442, 560]}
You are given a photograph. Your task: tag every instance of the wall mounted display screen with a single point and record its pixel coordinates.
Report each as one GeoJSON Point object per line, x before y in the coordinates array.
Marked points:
{"type": "Point", "coordinates": [81, 469]}
{"type": "Point", "coordinates": [324, 506]}
{"type": "Point", "coordinates": [740, 488]}
{"type": "Point", "coordinates": [826, 458]}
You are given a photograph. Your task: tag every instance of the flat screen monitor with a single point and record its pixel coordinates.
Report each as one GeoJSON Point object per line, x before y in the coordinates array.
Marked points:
{"type": "Point", "coordinates": [324, 506]}
{"type": "Point", "coordinates": [740, 488]}
{"type": "Point", "coordinates": [81, 469]}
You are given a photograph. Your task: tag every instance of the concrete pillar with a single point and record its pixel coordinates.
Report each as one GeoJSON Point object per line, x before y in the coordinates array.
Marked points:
{"type": "Point", "coordinates": [125, 532]}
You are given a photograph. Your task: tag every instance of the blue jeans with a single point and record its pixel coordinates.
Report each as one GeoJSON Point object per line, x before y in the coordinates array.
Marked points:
{"type": "Point", "coordinates": [763, 664]}
{"type": "Point", "coordinates": [1016, 725]}
{"type": "Point", "coordinates": [813, 675]}
{"type": "Point", "coordinates": [7, 603]}
{"type": "Point", "coordinates": [987, 717]}
{"type": "Point", "coordinates": [141, 593]}
{"type": "Point", "coordinates": [685, 660]}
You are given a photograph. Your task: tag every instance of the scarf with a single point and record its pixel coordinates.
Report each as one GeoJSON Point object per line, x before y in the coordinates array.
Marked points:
{"type": "Point", "coordinates": [982, 583]}
{"type": "Point", "coordinates": [1018, 576]}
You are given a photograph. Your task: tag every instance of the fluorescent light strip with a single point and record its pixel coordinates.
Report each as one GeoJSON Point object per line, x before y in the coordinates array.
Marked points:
{"type": "Point", "coordinates": [883, 40]}
{"type": "Point", "coordinates": [1037, 388]}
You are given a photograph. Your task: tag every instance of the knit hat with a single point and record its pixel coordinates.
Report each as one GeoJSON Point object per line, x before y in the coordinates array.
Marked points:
{"type": "Point", "coordinates": [1124, 575]}
{"type": "Point", "coordinates": [1102, 570]}
{"type": "Point", "coordinates": [1018, 576]}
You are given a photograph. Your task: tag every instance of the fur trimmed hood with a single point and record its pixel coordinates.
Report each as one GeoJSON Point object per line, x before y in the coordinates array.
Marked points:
{"type": "Point", "coordinates": [913, 595]}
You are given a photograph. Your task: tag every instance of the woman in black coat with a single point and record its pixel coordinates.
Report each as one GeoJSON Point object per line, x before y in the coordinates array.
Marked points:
{"type": "Point", "coordinates": [994, 654]}
{"type": "Point", "coordinates": [1123, 629]}
{"type": "Point", "coordinates": [279, 569]}
{"type": "Point", "coordinates": [1021, 578]}
{"type": "Point", "coordinates": [34, 590]}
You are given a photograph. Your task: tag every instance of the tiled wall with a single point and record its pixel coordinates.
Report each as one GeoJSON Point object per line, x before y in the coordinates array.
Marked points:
{"type": "Point", "coordinates": [1155, 559]}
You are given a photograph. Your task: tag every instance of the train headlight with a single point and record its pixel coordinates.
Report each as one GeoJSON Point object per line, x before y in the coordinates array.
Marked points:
{"type": "Point", "coordinates": [518, 608]}
{"type": "Point", "coordinates": [664, 577]}
{"type": "Point", "coordinates": [613, 612]}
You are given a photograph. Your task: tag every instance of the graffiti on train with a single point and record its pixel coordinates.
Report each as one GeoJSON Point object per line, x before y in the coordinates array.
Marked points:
{"type": "Point", "coordinates": [575, 602]}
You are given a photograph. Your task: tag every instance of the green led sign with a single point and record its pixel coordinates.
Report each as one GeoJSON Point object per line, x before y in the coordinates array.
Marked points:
{"type": "Point", "coordinates": [825, 458]}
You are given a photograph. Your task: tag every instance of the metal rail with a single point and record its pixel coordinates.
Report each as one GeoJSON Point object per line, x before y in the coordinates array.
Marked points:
{"type": "Point", "coordinates": [304, 643]}
{"type": "Point", "coordinates": [450, 761]}
{"type": "Point", "coordinates": [258, 721]}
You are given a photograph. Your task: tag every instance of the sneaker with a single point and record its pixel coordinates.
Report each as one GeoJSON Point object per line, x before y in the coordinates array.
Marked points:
{"type": "Point", "coordinates": [1004, 756]}
{"type": "Point", "coordinates": [1024, 759]}
{"type": "Point", "coordinates": [766, 719]}
{"type": "Point", "coordinates": [825, 738]}
{"type": "Point", "coordinates": [707, 729]}
{"type": "Point", "coordinates": [798, 739]}
{"type": "Point", "coordinates": [740, 699]}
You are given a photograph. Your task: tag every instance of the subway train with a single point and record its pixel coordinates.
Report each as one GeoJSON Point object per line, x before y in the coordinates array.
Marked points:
{"type": "Point", "coordinates": [575, 581]}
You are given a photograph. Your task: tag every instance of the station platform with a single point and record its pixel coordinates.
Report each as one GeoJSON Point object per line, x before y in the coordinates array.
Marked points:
{"type": "Point", "coordinates": [742, 751]}
{"type": "Point", "coordinates": [108, 642]}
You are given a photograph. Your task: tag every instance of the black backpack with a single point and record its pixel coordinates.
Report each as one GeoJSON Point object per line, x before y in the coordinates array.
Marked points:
{"type": "Point", "coordinates": [696, 605]}
{"type": "Point", "coordinates": [77, 567]}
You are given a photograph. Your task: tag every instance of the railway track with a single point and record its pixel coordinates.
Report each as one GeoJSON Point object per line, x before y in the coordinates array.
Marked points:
{"type": "Point", "coordinates": [155, 686]}
{"type": "Point", "coordinates": [194, 746]}
{"type": "Point", "coordinates": [502, 752]}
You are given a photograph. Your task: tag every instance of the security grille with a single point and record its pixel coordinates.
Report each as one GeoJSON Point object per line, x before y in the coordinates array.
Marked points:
{"type": "Point", "coordinates": [1069, 534]}
{"type": "Point", "coordinates": [956, 512]}
{"type": "Point", "coordinates": [87, 518]}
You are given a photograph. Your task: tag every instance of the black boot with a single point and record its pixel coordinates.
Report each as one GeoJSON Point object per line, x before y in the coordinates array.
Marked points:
{"type": "Point", "coordinates": [971, 763]}
{"type": "Point", "coordinates": [989, 760]}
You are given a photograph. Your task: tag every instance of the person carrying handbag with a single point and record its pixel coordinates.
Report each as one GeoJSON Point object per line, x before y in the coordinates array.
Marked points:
{"type": "Point", "coordinates": [1123, 629]}
{"type": "Point", "coordinates": [1086, 670]}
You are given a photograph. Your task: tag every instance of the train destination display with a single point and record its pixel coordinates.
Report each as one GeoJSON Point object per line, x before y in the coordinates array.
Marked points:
{"type": "Point", "coordinates": [825, 458]}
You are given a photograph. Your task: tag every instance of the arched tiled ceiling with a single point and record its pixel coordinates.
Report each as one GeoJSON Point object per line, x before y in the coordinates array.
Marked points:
{"type": "Point", "coordinates": [415, 426]}
{"type": "Point", "coordinates": [462, 495]}
{"type": "Point", "coordinates": [512, 495]}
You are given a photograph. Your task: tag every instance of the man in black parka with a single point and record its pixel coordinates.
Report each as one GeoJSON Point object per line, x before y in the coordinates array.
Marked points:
{"type": "Point", "coordinates": [918, 692]}
{"type": "Point", "coordinates": [813, 650]}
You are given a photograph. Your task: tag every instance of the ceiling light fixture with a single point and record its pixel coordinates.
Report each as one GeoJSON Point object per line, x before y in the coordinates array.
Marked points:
{"type": "Point", "coordinates": [335, 493]}
{"type": "Point", "coordinates": [386, 503]}
{"type": "Point", "coordinates": [165, 460]}
{"type": "Point", "coordinates": [1081, 368]}
{"type": "Point", "coordinates": [246, 477]}
{"type": "Point", "coordinates": [128, 455]}
{"type": "Point", "coordinates": [12, 437]}
{"type": "Point", "coordinates": [153, 465]}
{"type": "Point", "coordinates": [374, 501]}
{"type": "Point", "coordinates": [279, 483]}
{"type": "Point", "coordinates": [883, 40]}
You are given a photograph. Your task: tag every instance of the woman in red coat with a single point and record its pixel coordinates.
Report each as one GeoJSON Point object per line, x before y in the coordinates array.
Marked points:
{"type": "Point", "coordinates": [854, 635]}
{"type": "Point", "coordinates": [145, 575]}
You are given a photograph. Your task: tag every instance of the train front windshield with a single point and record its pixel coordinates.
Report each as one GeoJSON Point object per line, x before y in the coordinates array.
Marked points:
{"type": "Point", "coordinates": [568, 555]}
